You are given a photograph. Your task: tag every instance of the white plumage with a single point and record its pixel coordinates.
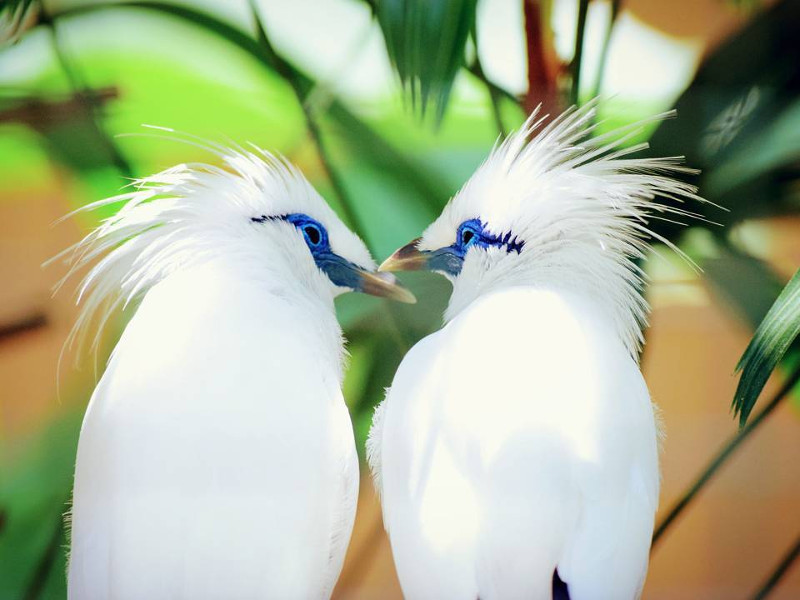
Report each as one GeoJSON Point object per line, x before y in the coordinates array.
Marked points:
{"type": "Point", "coordinates": [519, 441]}
{"type": "Point", "coordinates": [216, 458]}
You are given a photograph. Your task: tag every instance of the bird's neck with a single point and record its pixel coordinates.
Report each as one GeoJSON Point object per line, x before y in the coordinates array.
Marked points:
{"type": "Point", "coordinates": [611, 288]}
{"type": "Point", "coordinates": [239, 286]}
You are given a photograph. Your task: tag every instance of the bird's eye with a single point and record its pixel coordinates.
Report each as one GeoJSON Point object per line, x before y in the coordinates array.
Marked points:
{"type": "Point", "coordinates": [469, 232]}
{"type": "Point", "coordinates": [467, 236]}
{"type": "Point", "coordinates": [312, 234]}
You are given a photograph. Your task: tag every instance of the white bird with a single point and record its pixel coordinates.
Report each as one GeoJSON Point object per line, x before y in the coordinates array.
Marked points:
{"type": "Point", "coordinates": [516, 452]}
{"type": "Point", "coordinates": [216, 457]}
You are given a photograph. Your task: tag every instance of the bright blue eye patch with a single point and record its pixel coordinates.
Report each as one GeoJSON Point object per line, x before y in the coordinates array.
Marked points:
{"type": "Point", "coordinates": [339, 270]}
{"type": "Point", "coordinates": [470, 233]}
{"type": "Point", "coordinates": [314, 233]}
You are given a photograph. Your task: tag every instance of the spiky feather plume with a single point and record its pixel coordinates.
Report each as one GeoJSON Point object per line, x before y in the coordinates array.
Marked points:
{"type": "Point", "coordinates": [162, 226]}
{"type": "Point", "coordinates": [581, 204]}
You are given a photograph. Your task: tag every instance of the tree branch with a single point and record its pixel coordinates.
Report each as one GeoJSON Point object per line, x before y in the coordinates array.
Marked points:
{"type": "Point", "coordinates": [38, 113]}
{"type": "Point", "coordinates": [542, 73]}
{"type": "Point", "coordinates": [27, 323]}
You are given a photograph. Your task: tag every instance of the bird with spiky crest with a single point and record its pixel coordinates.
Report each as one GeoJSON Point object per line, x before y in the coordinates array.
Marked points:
{"type": "Point", "coordinates": [216, 457]}
{"type": "Point", "coordinates": [516, 452]}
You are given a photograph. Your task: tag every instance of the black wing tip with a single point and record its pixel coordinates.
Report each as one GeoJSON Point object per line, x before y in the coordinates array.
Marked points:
{"type": "Point", "coordinates": [560, 589]}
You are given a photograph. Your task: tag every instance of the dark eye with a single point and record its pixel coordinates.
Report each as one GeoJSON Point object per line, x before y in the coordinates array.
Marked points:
{"type": "Point", "coordinates": [467, 236]}
{"type": "Point", "coordinates": [312, 234]}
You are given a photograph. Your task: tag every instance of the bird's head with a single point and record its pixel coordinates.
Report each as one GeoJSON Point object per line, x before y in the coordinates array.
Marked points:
{"type": "Point", "coordinates": [552, 206]}
{"type": "Point", "coordinates": [281, 216]}
{"type": "Point", "coordinates": [258, 214]}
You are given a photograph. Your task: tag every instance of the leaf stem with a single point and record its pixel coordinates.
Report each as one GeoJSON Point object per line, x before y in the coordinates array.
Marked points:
{"type": "Point", "coordinates": [577, 59]}
{"type": "Point", "coordinates": [722, 456]}
{"type": "Point", "coordinates": [601, 68]}
{"type": "Point", "coordinates": [779, 571]}
{"type": "Point", "coordinates": [85, 97]}
{"type": "Point", "coordinates": [476, 68]}
{"type": "Point", "coordinates": [301, 90]}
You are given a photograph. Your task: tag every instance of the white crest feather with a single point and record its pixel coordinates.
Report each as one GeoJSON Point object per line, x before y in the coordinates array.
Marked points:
{"type": "Point", "coordinates": [581, 204]}
{"type": "Point", "coordinates": [163, 225]}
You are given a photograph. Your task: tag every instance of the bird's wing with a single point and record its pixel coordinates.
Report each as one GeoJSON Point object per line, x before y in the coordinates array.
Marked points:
{"type": "Point", "coordinates": [606, 556]}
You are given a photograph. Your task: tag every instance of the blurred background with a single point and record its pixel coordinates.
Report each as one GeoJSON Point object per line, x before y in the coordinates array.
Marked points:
{"type": "Point", "coordinates": [388, 106]}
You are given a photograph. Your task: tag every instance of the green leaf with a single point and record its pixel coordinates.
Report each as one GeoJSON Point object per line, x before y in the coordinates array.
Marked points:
{"type": "Point", "coordinates": [770, 342]}
{"type": "Point", "coordinates": [426, 40]}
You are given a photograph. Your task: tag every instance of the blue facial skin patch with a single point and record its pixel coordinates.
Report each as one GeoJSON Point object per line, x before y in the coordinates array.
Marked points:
{"type": "Point", "coordinates": [450, 259]}
{"type": "Point", "coordinates": [339, 270]}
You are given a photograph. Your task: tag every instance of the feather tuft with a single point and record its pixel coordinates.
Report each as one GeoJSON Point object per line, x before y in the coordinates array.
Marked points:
{"type": "Point", "coordinates": [161, 226]}
{"type": "Point", "coordinates": [581, 204]}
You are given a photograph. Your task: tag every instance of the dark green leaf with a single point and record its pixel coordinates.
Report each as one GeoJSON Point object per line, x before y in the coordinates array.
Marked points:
{"type": "Point", "coordinates": [744, 93]}
{"type": "Point", "coordinates": [770, 149]}
{"type": "Point", "coordinates": [770, 342]}
{"type": "Point", "coordinates": [744, 283]}
{"type": "Point", "coordinates": [426, 40]}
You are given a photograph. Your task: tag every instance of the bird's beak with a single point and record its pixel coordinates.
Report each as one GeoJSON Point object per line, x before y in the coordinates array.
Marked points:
{"type": "Point", "coordinates": [384, 285]}
{"type": "Point", "coordinates": [407, 258]}
{"type": "Point", "coordinates": [346, 274]}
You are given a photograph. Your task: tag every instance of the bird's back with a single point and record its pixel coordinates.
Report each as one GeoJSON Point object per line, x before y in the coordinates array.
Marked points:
{"type": "Point", "coordinates": [518, 440]}
{"type": "Point", "coordinates": [216, 458]}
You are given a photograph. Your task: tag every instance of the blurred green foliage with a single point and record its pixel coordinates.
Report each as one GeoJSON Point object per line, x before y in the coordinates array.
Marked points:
{"type": "Point", "coordinates": [178, 66]}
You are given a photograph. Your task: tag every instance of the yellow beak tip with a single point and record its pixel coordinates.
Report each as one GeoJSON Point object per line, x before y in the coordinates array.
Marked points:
{"type": "Point", "coordinates": [386, 266]}
{"type": "Point", "coordinates": [407, 297]}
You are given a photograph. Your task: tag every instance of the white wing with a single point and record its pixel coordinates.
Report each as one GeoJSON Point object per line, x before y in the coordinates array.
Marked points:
{"type": "Point", "coordinates": [214, 459]}
{"type": "Point", "coordinates": [519, 440]}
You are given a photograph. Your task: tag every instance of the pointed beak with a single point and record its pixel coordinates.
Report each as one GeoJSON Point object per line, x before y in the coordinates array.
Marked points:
{"type": "Point", "coordinates": [384, 285]}
{"type": "Point", "coordinates": [407, 258]}
{"type": "Point", "coordinates": [346, 274]}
